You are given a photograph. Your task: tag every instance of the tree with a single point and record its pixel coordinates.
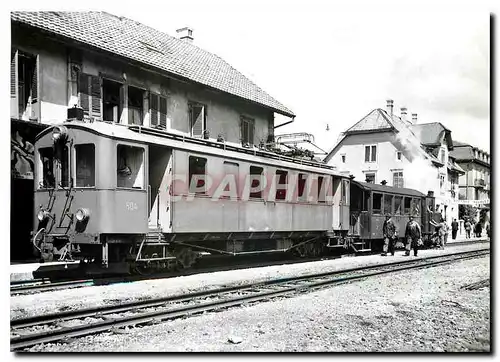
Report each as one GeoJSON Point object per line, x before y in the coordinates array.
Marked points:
{"type": "Point", "coordinates": [467, 212]}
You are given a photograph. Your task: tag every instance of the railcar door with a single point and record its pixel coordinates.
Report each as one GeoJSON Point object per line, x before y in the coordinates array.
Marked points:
{"type": "Point", "coordinates": [160, 174]}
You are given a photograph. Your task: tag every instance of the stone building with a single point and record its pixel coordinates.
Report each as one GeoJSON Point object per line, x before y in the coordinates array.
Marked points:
{"type": "Point", "coordinates": [123, 72]}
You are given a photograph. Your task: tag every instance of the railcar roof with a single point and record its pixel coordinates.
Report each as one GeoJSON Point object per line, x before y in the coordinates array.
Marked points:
{"type": "Point", "coordinates": [389, 189]}
{"type": "Point", "coordinates": [147, 135]}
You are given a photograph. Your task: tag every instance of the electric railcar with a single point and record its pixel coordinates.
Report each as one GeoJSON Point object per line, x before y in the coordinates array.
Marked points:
{"type": "Point", "coordinates": [143, 197]}
{"type": "Point", "coordinates": [139, 197]}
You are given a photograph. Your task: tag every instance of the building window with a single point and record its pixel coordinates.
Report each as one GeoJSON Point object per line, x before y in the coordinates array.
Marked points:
{"type": "Point", "coordinates": [282, 180]}
{"type": "Point", "coordinates": [443, 156]}
{"type": "Point", "coordinates": [370, 178]}
{"type": "Point", "coordinates": [398, 180]}
{"type": "Point", "coordinates": [111, 104]}
{"type": "Point", "coordinates": [399, 155]}
{"type": "Point", "coordinates": [247, 130]}
{"type": "Point", "coordinates": [370, 153]}
{"type": "Point", "coordinates": [441, 181]}
{"type": "Point", "coordinates": [24, 85]}
{"type": "Point", "coordinates": [85, 165]}
{"type": "Point", "coordinates": [343, 158]}
{"type": "Point", "coordinates": [135, 105]}
{"type": "Point", "coordinates": [198, 167]}
{"type": "Point", "coordinates": [130, 167]}
{"type": "Point", "coordinates": [158, 110]}
{"type": "Point", "coordinates": [256, 175]}
{"type": "Point", "coordinates": [197, 119]}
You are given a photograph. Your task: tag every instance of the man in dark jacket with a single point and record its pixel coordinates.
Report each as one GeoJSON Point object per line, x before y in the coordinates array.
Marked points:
{"type": "Point", "coordinates": [413, 236]}
{"type": "Point", "coordinates": [389, 234]}
{"type": "Point", "coordinates": [454, 229]}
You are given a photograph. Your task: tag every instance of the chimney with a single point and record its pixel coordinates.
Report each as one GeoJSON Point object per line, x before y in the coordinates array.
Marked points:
{"type": "Point", "coordinates": [414, 118]}
{"type": "Point", "coordinates": [186, 34]}
{"type": "Point", "coordinates": [403, 113]}
{"type": "Point", "coordinates": [390, 105]}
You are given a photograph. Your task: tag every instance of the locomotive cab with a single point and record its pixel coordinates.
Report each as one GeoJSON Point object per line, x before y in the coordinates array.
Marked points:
{"type": "Point", "coordinates": [79, 198]}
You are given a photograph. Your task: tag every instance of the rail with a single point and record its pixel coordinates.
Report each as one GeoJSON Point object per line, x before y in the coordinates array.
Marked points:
{"type": "Point", "coordinates": [220, 298]}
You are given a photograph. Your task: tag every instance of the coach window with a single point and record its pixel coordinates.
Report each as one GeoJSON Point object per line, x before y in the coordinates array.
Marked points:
{"type": "Point", "coordinates": [301, 184]}
{"type": "Point", "coordinates": [256, 176]}
{"type": "Point", "coordinates": [377, 203]}
{"type": "Point", "coordinates": [407, 203]}
{"type": "Point", "coordinates": [321, 192]}
{"type": "Point", "coordinates": [130, 167]}
{"type": "Point", "coordinates": [415, 209]}
{"type": "Point", "coordinates": [231, 171]}
{"type": "Point", "coordinates": [85, 165]}
{"type": "Point", "coordinates": [64, 163]}
{"type": "Point", "coordinates": [282, 177]}
{"type": "Point", "coordinates": [197, 174]}
{"type": "Point", "coordinates": [46, 177]}
{"type": "Point", "coordinates": [388, 204]}
{"type": "Point", "coordinates": [345, 192]}
{"type": "Point", "coordinates": [398, 204]}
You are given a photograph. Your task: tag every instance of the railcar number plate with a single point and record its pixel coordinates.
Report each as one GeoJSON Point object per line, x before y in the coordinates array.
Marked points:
{"type": "Point", "coordinates": [131, 206]}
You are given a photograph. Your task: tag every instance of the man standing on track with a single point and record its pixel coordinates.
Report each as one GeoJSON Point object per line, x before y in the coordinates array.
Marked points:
{"type": "Point", "coordinates": [389, 234]}
{"type": "Point", "coordinates": [413, 236]}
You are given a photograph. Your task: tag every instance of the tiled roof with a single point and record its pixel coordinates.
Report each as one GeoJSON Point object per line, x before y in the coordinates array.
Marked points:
{"type": "Point", "coordinates": [430, 133]}
{"type": "Point", "coordinates": [373, 121]}
{"type": "Point", "coordinates": [138, 42]}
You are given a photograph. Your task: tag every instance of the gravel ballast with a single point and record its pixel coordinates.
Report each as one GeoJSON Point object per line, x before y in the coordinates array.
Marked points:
{"type": "Point", "coordinates": [420, 310]}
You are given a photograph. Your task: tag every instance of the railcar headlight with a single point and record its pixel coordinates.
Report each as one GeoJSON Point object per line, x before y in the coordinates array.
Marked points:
{"type": "Point", "coordinates": [59, 133]}
{"type": "Point", "coordinates": [82, 214]}
{"type": "Point", "coordinates": [42, 215]}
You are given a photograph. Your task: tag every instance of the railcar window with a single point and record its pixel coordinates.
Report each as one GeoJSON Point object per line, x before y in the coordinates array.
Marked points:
{"type": "Point", "coordinates": [198, 168]}
{"type": "Point", "coordinates": [46, 178]}
{"type": "Point", "coordinates": [415, 207]}
{"type": "Point", "coordinates": [256, 174]}
{"type": "Point", "coordinates": [321, 193]}
{"type": "Point", "coordinates": [130, 167]}
{"type": "Point", "coordinates": [398, 201]}
{"type": "Point", "coordinates": [301, 185]}
{"type": "Point", "coordinates": [231, 168]}
{"type": "Point", "coordinates": [388, 204]}
{"type": "Point", "coordinates": [377, 203]}
{"type": "Point", "coordinates": [64, 159]}
{"type": "Point", "coordinates": [282, 180]}
{"type": "Point", "coordinates": [85, 165]}
{"type": "Point", "coordinates": [407, 204]}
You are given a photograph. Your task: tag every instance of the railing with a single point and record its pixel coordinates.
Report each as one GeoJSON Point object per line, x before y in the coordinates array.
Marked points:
{"type": "Point", "coordinates": [479, 182]}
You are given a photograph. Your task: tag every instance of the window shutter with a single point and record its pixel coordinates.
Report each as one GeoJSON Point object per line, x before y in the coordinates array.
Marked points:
{"type": "Point", "coordinates": [83, 90]}
{"type": "Point", "coordinates": [163, 112]}
{"type": "Point", "coordinates": [374, 153]}
{"type": "Point", "coordinates": [34, 83]}
{"type": "Point", "coordinates": [14, 105]}
{"type": "Point", "coordinates": [244, 132]}
{"type": "Point", "coordinates": [196, 115]}
{"type": "Point", "coordinates": [153, 109]}
{"type": "Point", "coordinates": [251, 127]}
{"type": "Point", "coordinates": [95, 92]}
{"type": "Point", "coordinates": [367, 153]}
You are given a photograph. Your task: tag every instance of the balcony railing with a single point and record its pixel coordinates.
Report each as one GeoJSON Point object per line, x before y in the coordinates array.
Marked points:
{"type": "Point", "coordinates": [479, 182]}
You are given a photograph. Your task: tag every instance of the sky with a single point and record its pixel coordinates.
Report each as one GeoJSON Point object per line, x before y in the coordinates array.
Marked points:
{"type": "Point", "coordinates": [332, 63]}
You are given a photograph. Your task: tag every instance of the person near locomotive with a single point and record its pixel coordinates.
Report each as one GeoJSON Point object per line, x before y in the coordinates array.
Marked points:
{"type": "Point", "coordinates": [468, 228]}
{"type": "Point", "coordinates": [454, 229]}
{"type": "Point", "coordinates": [389, 234]}
{"type": "Point", "coordinates": [413, 236]}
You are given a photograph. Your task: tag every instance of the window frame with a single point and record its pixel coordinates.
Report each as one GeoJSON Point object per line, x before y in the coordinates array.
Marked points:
{"type": "Point", "coordinates": [251, 125]}
{"type": "Point", "coordinates": [192, 104]}
{"type": "Point", "coordinates": [134, 145]}
{"type": "Point", "coordinates": [374, 176]}
{"type": "Point", "coordinates": [394, 178]}
{"type": "Point", "coordinates": [280, 172]}
{"type": "Point", "coordinates": [260, 197]}
{"type": "Point", "coordinates": [197, 193]}
{"type": "Point", "coordinates": [399, 155]}
{"type": "Point", "coordinates": [74, 168]}
{"type": "Point", "coordinates": [381, 203]}
{"type": "Point", "coordinates": [40, 178]}
{"type": "Point", "coordinates": [372, 156]}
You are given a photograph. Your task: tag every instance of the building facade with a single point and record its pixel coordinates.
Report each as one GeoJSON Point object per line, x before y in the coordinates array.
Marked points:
{"type": "Point", "coordinates": [388, 149]}
{"type": "Point", "coordinates": [474, 186]}
{"type": "Point", "coordinates": [120, 71]}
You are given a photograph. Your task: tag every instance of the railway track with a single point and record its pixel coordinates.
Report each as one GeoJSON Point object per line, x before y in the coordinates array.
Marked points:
{"type": "Point", "coordinates": [45, 285]}
{"type": "Point", "coordinates": [155, 310]}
